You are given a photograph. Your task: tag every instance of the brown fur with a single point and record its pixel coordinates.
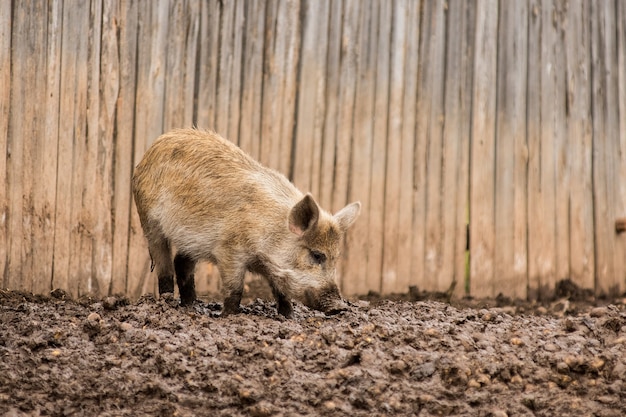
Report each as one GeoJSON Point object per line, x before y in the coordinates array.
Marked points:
{"type": "Point", "coordinates": [203, 195]}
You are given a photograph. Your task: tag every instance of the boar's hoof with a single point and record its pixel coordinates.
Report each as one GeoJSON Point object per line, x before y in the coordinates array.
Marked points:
{"type": "Point", "coordinates": [285, 309]}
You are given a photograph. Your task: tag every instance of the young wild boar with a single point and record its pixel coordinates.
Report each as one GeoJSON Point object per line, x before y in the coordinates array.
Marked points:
{"type": "Point", "coordinates": [203, 195]}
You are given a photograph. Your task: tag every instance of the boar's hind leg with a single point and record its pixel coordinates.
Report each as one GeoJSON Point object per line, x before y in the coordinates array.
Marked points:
{"type": "Point", "coordinates": [184, 267]}
{"type": "Point", "coordinates": [233, 286]}
{"type": "Point", "coordinates": [161, 254]}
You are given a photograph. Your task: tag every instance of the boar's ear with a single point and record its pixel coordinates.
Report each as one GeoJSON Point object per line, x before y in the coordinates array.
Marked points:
{"type": "Point", "coordinates": [303, 215]}
{"type": "Point", "coordinates": [347, 215]}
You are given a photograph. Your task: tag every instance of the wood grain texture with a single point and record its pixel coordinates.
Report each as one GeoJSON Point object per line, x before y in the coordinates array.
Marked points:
{"type": "Point", "coordinates": [482, 180]}
{"type": "Point", "coordinates": [5, 106]}
{"type": "Point", "coordinates": [456, 142]}
{"type": "Point", "coordinates": [579, 138]}
{"type": "Point", "coordinates": [356, 266]}
{"type": "Point", "coordinates": [511, 154]}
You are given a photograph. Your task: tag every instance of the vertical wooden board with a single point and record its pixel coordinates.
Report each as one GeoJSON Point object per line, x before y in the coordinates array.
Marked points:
{"type": "Point", "coordinates": [533, 132]}
{"type": "Point", "coordinates": [482, 237]}
{"type": "Point", "coordinates": [174, 57]}
{"type": "Point", "coordinates": [345, 117]}
{"type": "Point", "coordinates": [36, 242]}
{"type": "Point", "coordinates": [347, 88]}
{"type": "Point", "coordinates": [237, 68]}
{"type": "Point", "coordinates": [394, 133]}
{"type": "Point", "coordinates": [355, 267]}
{"type": "Point", "coordinates": [82, 162]}
{"type": "Point", "coordinates": [456, 140]}
{"type": "Point", "coordinates": [327, 166]}
{"type": "Point", "coordinates": [561, 146]}
{"type": "Point", "coordinates": [89, 217]}
{"type": "Point", "coordinates": [208, 56]}
{"type": "Point", "coordinates": [577, 47]}
{"type": "Point", "coordinates": [510, 175]}
{"type": "Point", "coordinates": [46, 157]}
{"type": "Point", "coordinates": [5, 105]}
{"type": "Point", "coordinates": [191, 57]}
{"type": "Point", "coordinates": [25, 130]}
{"type": "Point", "coordinates": [279, 75]}
{"type": "Point", "coordinates": [225, 73]}
{"type": "Point", "coordinates": [621, 65]}
{"type": "Point", "coordinates": [123, 142]}
{"type": "Point", "coordinates": [609, 262]}
{"type": "Point", "coordinates": [320, 86]}
{"type": "Point", "coordinates": [71, 138]}
{"type": "Point", "coordinates": [310, 88]}
{"type": "Point", "coordinates": [150, 98]}
{"type": "Point", "coordinates": [379, 148]}
{"type": "Point", "coordinates": [545, 224]}
{"type": "Point", "coordinates": [269, 151]}
{"type": "Point", "coordinates": [252, 85]}
{"type": "Point", "coordinates": [437, 275]}
{"type": "Point", "coordinates": [289, 31]}
{"type": "Point", "coordinates": [103, 128]}
{"type": "Point", "coordinates": [407, 146]}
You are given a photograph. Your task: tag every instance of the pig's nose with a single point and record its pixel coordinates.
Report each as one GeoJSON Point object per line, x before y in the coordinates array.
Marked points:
{"type": "Point", "coordinates": [336, 307]}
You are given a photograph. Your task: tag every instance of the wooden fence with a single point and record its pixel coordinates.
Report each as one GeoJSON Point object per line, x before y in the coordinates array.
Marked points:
{"type": "Point", "coordinates": [507, 115]}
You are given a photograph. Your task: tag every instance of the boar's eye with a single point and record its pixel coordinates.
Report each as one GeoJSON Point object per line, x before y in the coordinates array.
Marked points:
{"type": "Point", "coordinates": [318, 257]}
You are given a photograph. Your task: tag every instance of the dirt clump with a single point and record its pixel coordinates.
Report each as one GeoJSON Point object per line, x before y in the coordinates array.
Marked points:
{"type": "Point", "coordinates": [112, 357]}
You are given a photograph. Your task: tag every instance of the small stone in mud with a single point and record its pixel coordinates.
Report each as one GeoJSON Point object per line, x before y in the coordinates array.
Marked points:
{"type": "Point", "coordinates": [598, 312]}
{"type": "Point", "coordinates": [94, 317]}
{"type": "Point", "coordinates": [262, 409]}
{"type": "Point", "coordinates": [125, 326]}
{"type": "Point", "coordinates": [329, 406]}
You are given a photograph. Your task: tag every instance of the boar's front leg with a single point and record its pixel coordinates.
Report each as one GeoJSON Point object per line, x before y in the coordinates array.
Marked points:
{"type": "Point", "coordinates": [233, 286]}
{"type": "Point", "coordinates": [184, 267]}
{"type": "Point", "coordinates": [284, 305]}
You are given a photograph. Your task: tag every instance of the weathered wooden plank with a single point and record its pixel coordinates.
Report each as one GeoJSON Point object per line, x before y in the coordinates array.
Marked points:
{"type": "Point", "coordinates": [436, 274]}
{"type": "Point", "coordinates": [394, 133]}
{"type": "Point", "coordinates": [124, 138]}
{"type": "Point", "coordinates": [355, 267]}
{"type": "Point", "coordinates": [80, 225]}
{"type": "Point", "coordinates": [621, 66]}
{"type": "Point", "coordinates": [151, 64]}
{"type": "Point", "coordinates": [192, 43]}
{"type": "Point", "coordinates": [310, 93]}
{"type": "Point", "coordinates": [482, 181]}
{"type": "Point", "coordinates": [210, 15]}
{"type": "Point", "coordinates": [46, 157]}
{"type": "Point", "coordinates": [561, 144]}
{"type": "Point", "coordinates": [609, 258]}
{"type": "Point", "coordinates": [329, 138]}
{"type": "Point", "coordinates": [511, 153]}
{"type": "Point", "coordinates": [5, 105]}
{"type": "Point", "coordinates": [577, 46]}
{"type": "Point", "coordinates": [90, 216]}
{"type": "Point", "coordinates": [407, 147]}
{"type": "Point", "coordinates": [174, 110]}
{"type": "Point", "coordinates": [71, 138]}
{"type": "Point", "coordinates": [25, 128]}
{"type": "Point", "coordinates": [250, 119]}
{"type": "Point", "coordinates": [281, 42]}
{"type": "Point", "coordinates": [456, 141]}
{"type": "Point", "coordinates": [225, 73]}
{"type": "Point", "coordinates": [102, 130]}
{"type": "Point", "coordinates": [379, 147]}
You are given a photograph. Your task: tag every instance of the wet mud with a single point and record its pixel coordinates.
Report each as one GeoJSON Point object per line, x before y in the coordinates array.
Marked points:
{"type": "Point", "coordinates": [112, 357]}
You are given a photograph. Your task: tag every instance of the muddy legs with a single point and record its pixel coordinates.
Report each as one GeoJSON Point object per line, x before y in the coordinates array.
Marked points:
{"type": "Point", "coordinates": [184, 267]}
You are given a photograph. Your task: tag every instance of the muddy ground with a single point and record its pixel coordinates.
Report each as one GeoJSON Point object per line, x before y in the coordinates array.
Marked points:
{"type": "Point", "coordinates": [408, 356]}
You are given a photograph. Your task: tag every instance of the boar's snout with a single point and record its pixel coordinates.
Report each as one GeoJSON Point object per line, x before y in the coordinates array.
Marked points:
{"type": "Point", "coordinates": [326, 300]}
